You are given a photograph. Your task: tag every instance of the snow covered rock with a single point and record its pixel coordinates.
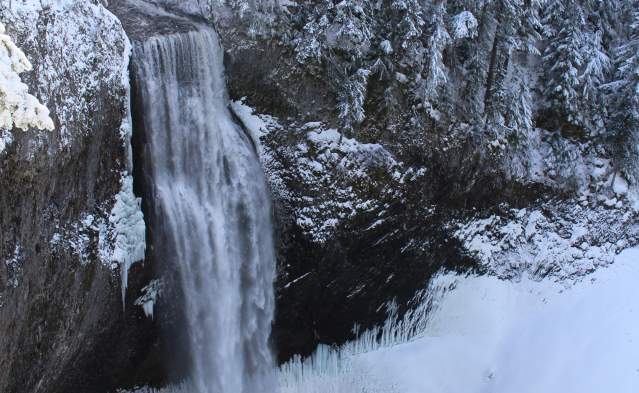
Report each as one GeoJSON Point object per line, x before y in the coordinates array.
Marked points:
{"type": "Point", "coordinates": [60, 301]}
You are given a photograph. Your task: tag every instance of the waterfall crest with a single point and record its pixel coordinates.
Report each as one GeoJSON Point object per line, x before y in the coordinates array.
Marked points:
{"type": "Point", "coordinates": [212, 210]}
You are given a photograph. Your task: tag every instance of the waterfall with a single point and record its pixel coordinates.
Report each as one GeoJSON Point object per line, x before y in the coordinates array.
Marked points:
{"type": "Point", "coordinates": [211, 209]}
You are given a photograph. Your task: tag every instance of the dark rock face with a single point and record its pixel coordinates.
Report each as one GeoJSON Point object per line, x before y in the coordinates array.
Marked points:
{"type": "Point", "coordinates": [62, 323]}
{"type": "Point", "coordinates": [350, 279]}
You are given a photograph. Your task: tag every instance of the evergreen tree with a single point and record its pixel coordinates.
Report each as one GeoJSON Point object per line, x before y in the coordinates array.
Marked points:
{"type": "Point", "coordinates": [463, 25]}
{"type": "Point", "coordinates": [351, 30]}
{"type": "Point", "coordinates": [435, 73]}
{"type": "Point", "coordinates": [351, 99]}
{"type": "Point", "coordinates": [605, 18]}
{"type": "Point", "coordinates": [563, 59]}
{"type": "Point", "coordinates": [476, 66]}
{"type": "Point", "coordinates": [596, 68]}
{"type": "Point", "coordinates": [409, 33]}
{"type": "Point", "coordinates": [508, 101]}
{"type": "Point", "coordinates": [625, 98]}
{"type": "Point", "coordinates": [519, 114]}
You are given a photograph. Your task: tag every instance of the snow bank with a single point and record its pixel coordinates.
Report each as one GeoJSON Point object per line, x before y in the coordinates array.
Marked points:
{"type": "Point", "coordinates": [13, 266]}
{"type": "Point", "coordinates": [527, 337]}
{"type": "Point", "coordinates": [493, 335]}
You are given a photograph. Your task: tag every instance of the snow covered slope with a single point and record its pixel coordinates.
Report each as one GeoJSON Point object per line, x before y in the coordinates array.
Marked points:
{"type": "Point", "coordinates": [492, 335]}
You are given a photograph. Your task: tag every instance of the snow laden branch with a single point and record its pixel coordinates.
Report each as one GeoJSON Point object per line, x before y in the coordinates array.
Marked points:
{"type": "Point", "coordinates": [17, 107]}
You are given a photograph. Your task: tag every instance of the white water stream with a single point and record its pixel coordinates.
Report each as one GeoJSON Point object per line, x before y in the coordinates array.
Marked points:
{"type": "Point", "coordinates": [213, 210]}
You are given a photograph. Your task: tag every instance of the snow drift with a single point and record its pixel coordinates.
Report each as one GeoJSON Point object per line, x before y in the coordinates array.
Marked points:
{"type": "Point", "coordinates": [491, 335]}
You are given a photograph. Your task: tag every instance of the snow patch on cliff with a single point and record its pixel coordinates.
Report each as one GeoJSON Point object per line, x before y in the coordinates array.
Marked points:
{"type": "Point", "coordinates": [335, 177]}
{"type": "Point", "coordinates": [13, 266]}
{"type": "Point", "coordinates": [560, 239]}
{"type": "Point", "coordinates": [150, 294]}
{"type": "Point", "coordinates": [117, 239]}
{"type": "Point", "coordinates": [256, 124]}
{"type": "Point", "coordinates": [337, 170]}
{"type": "Point", "coordinates": [79, 237]}
{"type": "Point", "coordinates": [5, 139]}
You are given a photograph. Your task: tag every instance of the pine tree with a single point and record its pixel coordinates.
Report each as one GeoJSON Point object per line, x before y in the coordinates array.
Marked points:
{"type": "Point", "coordinates": [508, 100]}
{"type": "Point", "coordinates": [310, 41]}
{"type": "Point", "coordinates": [605, 17]}
{"type": "Point", "coordinates": [625, 99]}
{"type": "Point", "coordinates": [519, 113]}
{"type": "Point", "coordinates": [476, 66]}
{"type": "Point", "coordinates": [409, 32]}
{"type": "Point", "coordinates": [351, 99]}
{"type": "Point", "coordinates": [563, 59]}
{"type": "Point", "coordinates": [596, 68]}
{"type": "Point", "coordinates": [463, 25]}
{"type": "Point", "coordinates": [435, 72]}
{"type": "Point", "coordinates": [351, 30]}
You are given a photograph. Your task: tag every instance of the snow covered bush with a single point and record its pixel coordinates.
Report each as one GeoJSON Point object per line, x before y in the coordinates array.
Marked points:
{"type": "Point", "coordinates": [464, 25]}
{"type": "Point", "coordinates": [17, 107]}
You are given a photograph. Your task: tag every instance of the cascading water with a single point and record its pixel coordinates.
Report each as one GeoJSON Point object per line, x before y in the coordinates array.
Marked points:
{"type": "Point", "coordinates": [212, 210]}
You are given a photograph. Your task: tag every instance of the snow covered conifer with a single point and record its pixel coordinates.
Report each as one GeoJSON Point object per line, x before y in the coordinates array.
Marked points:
{"type": "Point", "coordinates": [464, 25]}
{"type": "Point", "coordinates": [435, 71]}
{"type": "Point", "coordinates": [596, 67]}
{"type": "Point", "coordinates": [519, 114]}
{"type": "Point", "coordinates": [439, 38]}
{"type": "Point", "coordinates": [352, 97]}
{"type": "Point", "coordinates": [409, 31]}
{"type": "Point", "coordinates": [625, 98]}
{"type": "Point", "coordinates": [563, 59]}
{"type": "Point", "coordinates": [17, 107]}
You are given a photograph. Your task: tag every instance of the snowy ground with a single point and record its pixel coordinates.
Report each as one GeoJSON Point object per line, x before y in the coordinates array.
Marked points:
{"type": "Point", "coordinates": [492, 335]}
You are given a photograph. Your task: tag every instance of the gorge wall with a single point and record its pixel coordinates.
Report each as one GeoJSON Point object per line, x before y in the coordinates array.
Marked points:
{"type": "Point", "coordinates": [365, 212]}
{"type": "Point", "coordinates": [68, 218]}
